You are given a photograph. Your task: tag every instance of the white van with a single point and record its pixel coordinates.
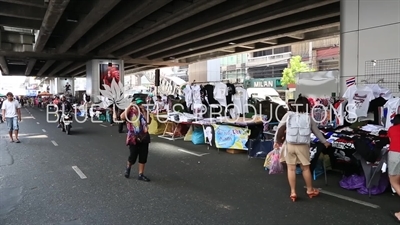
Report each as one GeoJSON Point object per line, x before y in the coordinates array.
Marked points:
{"type": "Point", "coordinates": [266, 93]}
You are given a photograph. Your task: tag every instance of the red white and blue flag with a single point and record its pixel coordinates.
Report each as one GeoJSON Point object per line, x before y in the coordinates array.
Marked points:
{"type": "Point", "coordinates": [351, 81]}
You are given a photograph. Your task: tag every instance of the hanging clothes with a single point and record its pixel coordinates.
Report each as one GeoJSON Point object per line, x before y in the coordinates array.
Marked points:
{"type": "Point", "coordinates": [393, 108]}
{"type": "Point", "coordinates": [220, 93]}
{"type": "Point", "coordinates": [209, 91]}
{"type": "Point", "coordinates": [187, 91]}
{"type": "Point", "coordinates": [380, 91]}
{"type": "Point", "coordinates": [359, 98]}
{"type": "Point", "coordinates": [240, 101]}
{"type": "Point", "coordinates": [231, 91]}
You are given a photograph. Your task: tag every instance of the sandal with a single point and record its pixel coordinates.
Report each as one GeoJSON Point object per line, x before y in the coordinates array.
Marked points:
{"type": "Point", "coordinates": [393, 214]}
{"type": "Point", "coordinates": [293, 197]}
{"type": "Point", "coordinates": [18, 141]}
{"type": "Point", "coordinates": [313, 193]}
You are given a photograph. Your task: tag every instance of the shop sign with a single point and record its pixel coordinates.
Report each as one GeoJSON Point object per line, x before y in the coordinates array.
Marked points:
{"type": "Point", "coordinates": [268, 83]}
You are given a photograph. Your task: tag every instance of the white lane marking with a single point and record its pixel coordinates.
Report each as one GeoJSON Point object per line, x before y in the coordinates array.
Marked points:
{"type": "Point", "coordinates": [348, 199]}
{"type": "Point", "coordinates": [54, 143]}
{"type": "Point", "coordinates": [37, 123]}
{"type": "Point", "coordinates": [44, 130]}
{"type": "Point", "coordinates": [79, 172]}
{"type": "Point", "coordinates": [33, 118]}
{"type": "Point", "coordinates": [41, 110]}
{"type": "Point", "coordinates": [192, 153]}
{"type": "Point", "coordinates": [103, 125]}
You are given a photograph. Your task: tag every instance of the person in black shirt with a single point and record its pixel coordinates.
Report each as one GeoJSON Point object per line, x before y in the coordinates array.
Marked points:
{"type": "Point", "coordinates": [63, 106]}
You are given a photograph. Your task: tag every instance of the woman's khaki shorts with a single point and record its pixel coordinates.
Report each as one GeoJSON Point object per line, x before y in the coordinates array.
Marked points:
{"type": "Point", "coordinates": [297, 154]}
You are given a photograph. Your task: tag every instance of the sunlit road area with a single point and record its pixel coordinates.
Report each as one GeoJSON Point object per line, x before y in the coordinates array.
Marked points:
{"type": "Point", "coordinates": [52, 178]}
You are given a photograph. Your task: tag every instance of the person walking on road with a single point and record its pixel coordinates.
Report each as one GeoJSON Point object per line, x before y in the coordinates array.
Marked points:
{"type": "Point", "coordinates": [138, 137]}
{"type": "Point", "coordinates": [299, 126]}
{"type": "Point", "coordinates": [11, 111]}
{"type": "Point", "coordinates": [394, 159]}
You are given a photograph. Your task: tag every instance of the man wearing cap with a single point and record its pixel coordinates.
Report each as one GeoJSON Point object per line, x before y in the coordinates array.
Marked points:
{"type": "Point", "coordinates": [11, 111]}
{"type": "Point", "coordinates": [138, 137]}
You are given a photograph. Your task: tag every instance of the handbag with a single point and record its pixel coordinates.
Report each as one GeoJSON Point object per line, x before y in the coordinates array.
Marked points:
{"type": "Point", "coordinates": [143, 138]}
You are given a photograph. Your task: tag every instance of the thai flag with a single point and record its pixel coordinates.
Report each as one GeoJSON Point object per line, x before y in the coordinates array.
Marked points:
{"type": "Point", "coordinates": [351, 81]}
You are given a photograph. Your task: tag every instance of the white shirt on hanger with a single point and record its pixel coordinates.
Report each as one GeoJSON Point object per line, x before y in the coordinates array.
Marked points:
{"type": "Point", "coordinates": [380, 91]}
{"type": "Point", "coordinates": [240, 101]}
{"type": "Point", "coordinates": [393, 108]}
{"type": "Point", "coordinates": [188, 95]}
{"type": "Point", "coordinates": [196, 94]}
{"type": "Point", "coordinates": [220, 93]}
{"type": "Point", "coordinates": [358, 98]}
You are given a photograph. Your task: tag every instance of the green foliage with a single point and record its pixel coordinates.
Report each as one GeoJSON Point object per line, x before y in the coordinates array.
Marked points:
{"type": "Point", "coordinates": [296, 66]}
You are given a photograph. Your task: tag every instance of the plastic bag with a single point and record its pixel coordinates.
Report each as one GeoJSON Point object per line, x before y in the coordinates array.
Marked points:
{"type": "Point", "coordinates": [276, 166]}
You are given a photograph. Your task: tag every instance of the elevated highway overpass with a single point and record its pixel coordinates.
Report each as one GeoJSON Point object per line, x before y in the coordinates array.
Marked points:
{"type": "Point", "coordinates": [54, 38]}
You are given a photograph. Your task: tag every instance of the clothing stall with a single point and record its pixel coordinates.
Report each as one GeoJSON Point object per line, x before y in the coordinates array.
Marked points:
{"type": "Point", "coordinates": [356, 126]}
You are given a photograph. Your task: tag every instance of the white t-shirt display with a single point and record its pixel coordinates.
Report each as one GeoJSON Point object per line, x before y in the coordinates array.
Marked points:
{"type": "Point", "coordinates": [11, 108]}
{"type": "Point", "coordinates": [196, 94]}
{"type": "Point", "coordinates": [393, 108]}
{"type": "Point", "coordinates": [220, 93]}
{"type": "Point", "coordinates": [380, 91]}
{"type": "Point", "coordinates": [240, 101]}
{"type": "Point", "coordinates": [188, 95]}
{"type": "Point", "coordinates": [358, 100]}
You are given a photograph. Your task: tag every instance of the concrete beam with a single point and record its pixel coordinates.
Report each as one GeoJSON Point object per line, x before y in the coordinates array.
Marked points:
{"type": "Point", "coordinates": [79, 73]}
{"type": "Point", "coordinates": [72, 68]}
{"type": "Point", "coordinates": [138, 69]}
{"type": "Point", "coordinates": [21, 11]}
{"type": "Point", "coordinates": [30, 66]}
{"type": "Point", "coordinates": [126, 14]}
{"type": "Point", "coordinates": [251, 46]}
{"type": "Point", "coordinates": [270, 42]}
{"type": "Point", "coordinates": [50, 55]}
{"type": "Point", "coordinates": [287, 22]}
{"type": "Point", "coordinates": [45, 67]}
{"type": "Point", "coordinates": [21, 23]}
{"type": "Point", "coordinates": [179, 11]}
{"type": "Point", "coordinates": [270, 13]}
{"type": "Point", "coordinates": [297, 36]}
{"type": "Point", "coordinates": [304, 28]}
{"type": "Point", "coordinates": [35, 3]}
{"type": "Point", "coordinates": [217, 14]}
{"type": "Point", "coordinates": [98, 10]}
{"type": "Point", "coordinates": [311, 36]}
{"type": "Point", "coordinates": [59, 67]}
{"type": "Point", "coordinates": [3, 65]}
{"type": "Point", "coordinates": [54, 11]}
{"type": "Point", "coordinates": [232, 50]}
{"type": "Point", "coordinates": [153, 62]}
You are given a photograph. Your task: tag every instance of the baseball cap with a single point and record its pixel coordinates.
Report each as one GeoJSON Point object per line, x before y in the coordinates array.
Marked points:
{"type": "Point", "coordinates": [139, 101]}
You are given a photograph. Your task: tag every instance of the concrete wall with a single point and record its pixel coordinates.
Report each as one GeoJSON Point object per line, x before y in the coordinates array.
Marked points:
{"type": "Point", "coordinates": [370, 30]}
{"type": "Point", "coordinates": [198, 72]}
{"type": "Point", "coordinates": [214, 70]}
{"type": "Point", "coordinates": [205, 71]}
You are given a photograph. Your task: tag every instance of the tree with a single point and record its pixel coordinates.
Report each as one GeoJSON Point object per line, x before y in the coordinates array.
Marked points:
{"type": "Point", "coordinates": [296, 66]}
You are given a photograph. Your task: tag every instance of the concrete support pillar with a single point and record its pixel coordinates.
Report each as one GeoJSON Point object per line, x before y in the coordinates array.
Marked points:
{"type": "Point", "coordinates": [138, 79]}
{"type": "Point", "coordinates": [370, 30]}
{"type": "Point", "coordinates": [103, 71]}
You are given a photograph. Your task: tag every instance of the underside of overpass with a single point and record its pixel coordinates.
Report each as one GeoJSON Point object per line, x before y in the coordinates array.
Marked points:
{"type": "Point", "coordinates": [55, 38]}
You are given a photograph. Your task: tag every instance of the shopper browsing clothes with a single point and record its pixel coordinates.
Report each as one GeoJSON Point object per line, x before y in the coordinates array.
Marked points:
{"type": "Point", "coordinates": [394, 158]}
{"type": "Point", "coordinates": [138, 137]}
{"type": "Point", "coordinates": [299, 125]}
{"type": "Point", "coordinates": [11, 113]}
